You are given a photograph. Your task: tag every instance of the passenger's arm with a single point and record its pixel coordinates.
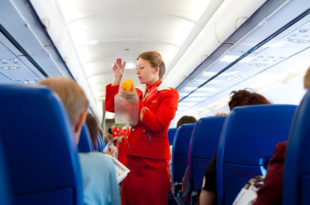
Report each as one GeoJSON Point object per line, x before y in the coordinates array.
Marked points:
{"type": "Point", "coordinates": [207, 194]}
{"type": "Point", "coordinates": [271, 191]}
{"type": "Point", "coordinates": [114, 188]}
{"type": "Point", "coordinates": [164, 114]}
{"type": "Point", "coordinates": [206, 198]}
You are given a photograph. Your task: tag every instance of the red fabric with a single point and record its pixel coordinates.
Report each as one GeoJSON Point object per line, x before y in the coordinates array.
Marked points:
{"type": "Point", "coordinates": [122, 147]}
{"type": "Point", "coordinates": [271, 191]}
{"type": "Point", "coordinates": [148, 182]}
{"type": "Point", "coordinates": [149, 138]}
{"type": "Point", "coordinates": [154, 86]}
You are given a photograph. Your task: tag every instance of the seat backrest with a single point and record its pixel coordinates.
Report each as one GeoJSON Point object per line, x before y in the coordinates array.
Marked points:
{"type": "Point", "coordinates": [100, 145]}
{"type": "Point", "coordinates": [85, 144]}
{"type": "Point", "coordinates": [4, 185]}
{"type": "Point", "coordinates": [297, 163]}
{"type": "Point", "coordinates": [203, 147]}
{"type": "Point", "coordinates": [180, 151]}
{"type": "Point", "coordinates": [171, 134]}
{"type": "Point", "coordinates": [249, 133]}
{"type": "Point", "coordinates": [39, 147]}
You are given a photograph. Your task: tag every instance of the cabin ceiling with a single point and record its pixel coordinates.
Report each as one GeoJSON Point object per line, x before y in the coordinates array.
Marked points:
{"type": "Point", "coordinates": [199, 41]}
{"type": "Point", "coordinates": [103, 30]}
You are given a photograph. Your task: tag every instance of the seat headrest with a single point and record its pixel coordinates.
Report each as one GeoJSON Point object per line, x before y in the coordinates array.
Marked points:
{"type": "Point", "coordinates": [38, 141]}
{"type": "Point", "coordinates": [206, 136]}
{"type": "Point", "coordinates": [182, 139]}
{"type": "Point", "coordinates": [248, 126]}
{"type": "Point", "coordinates": [171, 134]}
{"type": "Point", "coordinates": [85, 144]}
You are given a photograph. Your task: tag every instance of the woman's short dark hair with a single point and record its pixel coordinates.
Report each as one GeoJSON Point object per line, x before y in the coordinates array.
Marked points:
{"type": "Point", "coordinates": [245, 97]}
{"type": "Point", "coordinates": [185, 120]}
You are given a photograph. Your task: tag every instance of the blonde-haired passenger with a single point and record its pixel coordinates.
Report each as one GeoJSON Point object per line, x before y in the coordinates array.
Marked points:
{"type": "Point", "coordinates": [98, 174]}
{"type": "Point", "coordinates": [307, 79]}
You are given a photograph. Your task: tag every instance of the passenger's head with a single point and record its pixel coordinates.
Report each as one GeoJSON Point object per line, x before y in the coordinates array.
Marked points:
{"type": "Point", "coordinates": [93, 128]}
{"type": "Point", "coordinates": [185, 120]}
{"type": "Point", "coordinates": [73, 98]}
{"type": "Point", "coordinates": [150, 67]}
{"type": "Point", "coordinates": [307, 79]}
{"type": "Point", "coordinates": [221, 114]}
{"type": "Point", "coordinates": [245, 97]}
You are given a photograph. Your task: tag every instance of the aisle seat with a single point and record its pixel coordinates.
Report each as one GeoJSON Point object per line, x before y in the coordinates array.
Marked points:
{"type": "Point", "coordinates": [39, 147]}
{"type": "Point", "coordinates": [249, 133]}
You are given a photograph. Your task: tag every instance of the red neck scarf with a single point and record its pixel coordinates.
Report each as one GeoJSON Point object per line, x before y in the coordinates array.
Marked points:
{"type": "Point", "coordinates": [151, 89]}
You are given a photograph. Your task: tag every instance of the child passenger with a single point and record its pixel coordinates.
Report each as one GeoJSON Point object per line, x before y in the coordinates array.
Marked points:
{"type": "Point", "coordinates": [98, 174]}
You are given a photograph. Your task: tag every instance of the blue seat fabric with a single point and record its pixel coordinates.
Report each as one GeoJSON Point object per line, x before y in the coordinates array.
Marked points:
{"type": "Point", "coordinates": [39, 146]}
{"type": "Point", "coordinates": [5, 187]}
{"type": "Point", "coordinates": [85, 144]}
{"type": "Point", "coordinates": [171, 134]}
{"type": "Point", "coordinates": [296, 186]}
{"type": "Point", "coordinates": [180, 151]}
{"type": "Point", "coordinates": [249, 133]}
{"type": "Point", "coordinates": [203, 147]}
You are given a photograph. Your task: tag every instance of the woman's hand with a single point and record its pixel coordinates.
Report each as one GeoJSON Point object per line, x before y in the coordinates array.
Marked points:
{"type": "Point", "coordinates": [118, 140]}
{"type": "Point", "coordinates": [110, 152]}
{"type": "Point", "coordinates": [118, 70]}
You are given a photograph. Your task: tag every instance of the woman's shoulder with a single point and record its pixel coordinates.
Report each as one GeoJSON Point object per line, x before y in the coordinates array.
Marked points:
{"type": "Point", "coordinates": [280, 150]}
{"type": "Point", "coordinates": [164, 88]}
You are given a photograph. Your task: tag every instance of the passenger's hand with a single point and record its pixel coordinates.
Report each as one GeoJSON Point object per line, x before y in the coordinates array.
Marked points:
{"type": "Point", "coordinates": [110, 151]}
{"type": "Point", "coordinates": [118, 140]}
{"type": "Point", "coordinates": [118, 70]}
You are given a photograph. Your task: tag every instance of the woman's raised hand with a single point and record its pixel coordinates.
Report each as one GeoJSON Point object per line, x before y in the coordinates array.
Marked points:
{"type": "Point", "coordinates": [118, 70]}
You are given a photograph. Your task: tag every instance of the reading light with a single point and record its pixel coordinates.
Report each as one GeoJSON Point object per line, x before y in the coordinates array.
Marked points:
{"type": "Point", "coordinates": [9, 67]}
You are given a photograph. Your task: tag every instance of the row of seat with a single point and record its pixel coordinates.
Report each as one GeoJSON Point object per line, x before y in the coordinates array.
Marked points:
{"type": "Point", "coordinates": [40, 154]}
{"type": "Point", "coordinates": [296, 189]}
{"type": "Point", "coordinates": [246, 135]}
{"type": "Point", "coordinates": [41, 162]}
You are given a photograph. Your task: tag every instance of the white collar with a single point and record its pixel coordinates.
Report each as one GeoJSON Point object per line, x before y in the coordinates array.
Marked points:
{"type": "Point", "coordinates": [163, 86]}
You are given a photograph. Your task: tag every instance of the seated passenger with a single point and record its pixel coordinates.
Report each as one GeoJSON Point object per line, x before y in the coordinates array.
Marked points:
{"type": "Point", "coordinates": [185, 186]}
{"type": "Point", "coordinates": [271, 191]}
{"type": "Point", "coordinates": [98, 173]}
{"type": "Point", "coordinates": [93, 129]}
{"type": "Point", "coordinates": [185, 120]}
{"type": "Point", "coordinates": [207, 194]}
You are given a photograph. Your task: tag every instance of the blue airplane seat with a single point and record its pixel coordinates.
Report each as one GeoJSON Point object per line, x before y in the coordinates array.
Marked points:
{"type": "Point", "coordinates": [39, 147]}
{"type": "Point", "coordinates": [203, 147]}
{"type": "Point", "coordinates": [100, 145]}
{"type": "Point", "coordinates": [249, 133]}
{"type": "Point", "coordinates": [180, 151]}
{"type": "Point", "coordinates": [171, 134]}
{"type": "Point", "coordinates": [296, 186]}
{"type": "Point", "coordinates": [4, 185]}
{"type": "Point", "coordinates": [85, 144]}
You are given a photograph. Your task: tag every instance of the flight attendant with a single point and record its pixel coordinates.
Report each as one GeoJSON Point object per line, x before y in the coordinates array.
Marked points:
{"type": "Point", "coordinates": [148, 154]}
